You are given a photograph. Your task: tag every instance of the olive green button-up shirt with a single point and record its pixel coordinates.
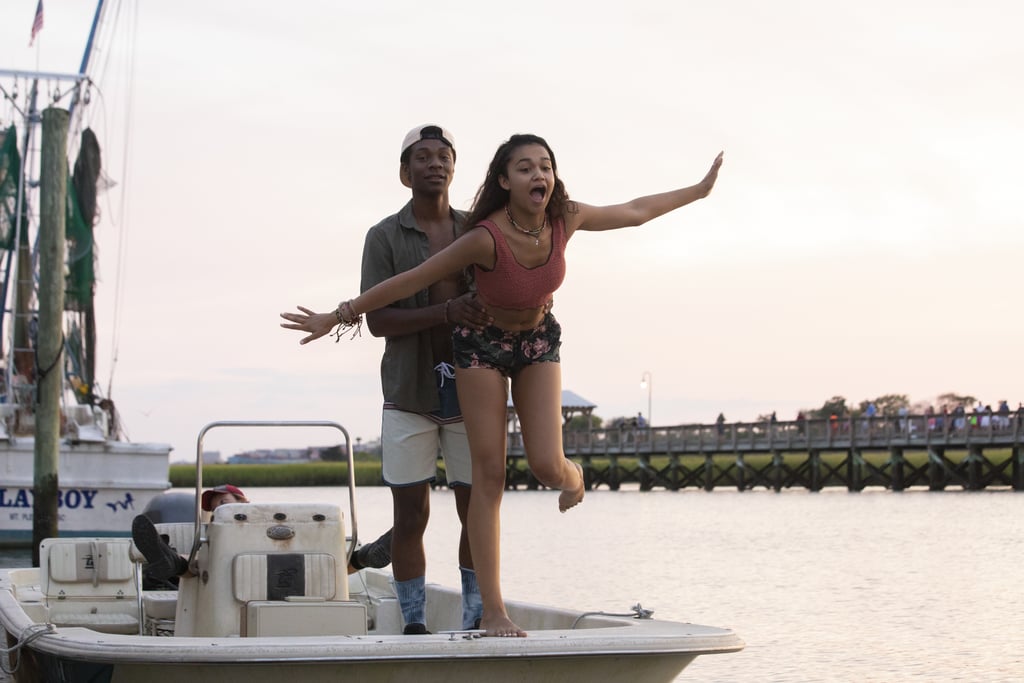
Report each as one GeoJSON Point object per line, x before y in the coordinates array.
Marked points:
{"type": "Point", "coordinates": [407, 375]}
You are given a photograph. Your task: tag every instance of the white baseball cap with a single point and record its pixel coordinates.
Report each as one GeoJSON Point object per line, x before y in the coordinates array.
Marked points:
{"type": "Point", "coordinates": [428, 131]}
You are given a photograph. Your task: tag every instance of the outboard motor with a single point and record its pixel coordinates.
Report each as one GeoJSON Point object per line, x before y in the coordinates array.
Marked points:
{"type": "Point", "coordinates": [175, 506]}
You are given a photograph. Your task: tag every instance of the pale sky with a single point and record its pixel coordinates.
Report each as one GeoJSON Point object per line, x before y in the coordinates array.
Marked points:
{"type": "Point", "coordinates": [864, 237]}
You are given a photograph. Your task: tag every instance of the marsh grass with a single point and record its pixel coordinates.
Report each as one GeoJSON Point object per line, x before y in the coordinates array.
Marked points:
{"type": "Point", "coordinates": [368, 473]}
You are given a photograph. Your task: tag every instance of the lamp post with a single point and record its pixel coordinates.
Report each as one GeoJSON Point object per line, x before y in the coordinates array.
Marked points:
{"type": "Point", "coordinates": [646, 383]}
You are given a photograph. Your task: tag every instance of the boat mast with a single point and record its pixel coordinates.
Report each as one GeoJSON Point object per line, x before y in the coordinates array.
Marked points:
{"type": "Point", "coordinates": [83, 69]}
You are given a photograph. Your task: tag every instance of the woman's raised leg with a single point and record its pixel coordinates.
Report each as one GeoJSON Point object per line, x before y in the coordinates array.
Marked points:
{"type": "Point", "coordinates": [537, 395]}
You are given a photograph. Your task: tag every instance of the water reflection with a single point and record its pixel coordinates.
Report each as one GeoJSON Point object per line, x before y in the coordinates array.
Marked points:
{"type": "Point", "coordinates": [833, 586]}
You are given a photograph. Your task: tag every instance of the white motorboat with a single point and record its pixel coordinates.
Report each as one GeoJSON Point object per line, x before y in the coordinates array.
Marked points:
{"type": "Point", "coordinates": [269, 596]}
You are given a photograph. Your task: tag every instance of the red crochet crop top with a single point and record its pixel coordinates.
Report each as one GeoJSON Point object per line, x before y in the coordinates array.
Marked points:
{"type": "Point", "coordinates": [510, 284]}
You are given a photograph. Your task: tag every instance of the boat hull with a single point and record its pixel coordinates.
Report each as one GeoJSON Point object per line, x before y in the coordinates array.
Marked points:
{"type": "Point", "coordinates": [499, 670]}
{"type": "Point", "coordinates": [562, 645]}
{"type": "Point", "coordinates": [102, 486]}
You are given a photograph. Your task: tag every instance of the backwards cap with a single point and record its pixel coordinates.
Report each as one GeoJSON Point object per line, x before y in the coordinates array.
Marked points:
{"type": "Point", "coordinates": [223, 488]}
{"type": "Point", "coordinates": [427, 131]}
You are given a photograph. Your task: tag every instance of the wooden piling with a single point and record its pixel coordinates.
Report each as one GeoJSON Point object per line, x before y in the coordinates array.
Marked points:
{"type": "Point", "coordinates": [1017, 468]}
{"type": "Point", "coordinates": [50, 344]}
{"type": "Point", "coordinates": [898, 475]}
{"type": "Point", "coordinates": [936, 472]}
{"type": "Point", "coordinates": [975, 459]}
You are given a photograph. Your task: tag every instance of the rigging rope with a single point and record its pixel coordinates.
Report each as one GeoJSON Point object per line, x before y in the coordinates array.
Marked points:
{"type": "Point", "coordinates": [119, 276]}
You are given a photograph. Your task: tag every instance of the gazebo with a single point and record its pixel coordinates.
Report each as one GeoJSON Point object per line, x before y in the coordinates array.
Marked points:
{"type": "Point", "coordinates": [572, 404]}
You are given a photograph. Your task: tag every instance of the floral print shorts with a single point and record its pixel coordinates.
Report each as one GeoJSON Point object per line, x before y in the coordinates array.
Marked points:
{"type": "Point", "coordinates": [504, 351]}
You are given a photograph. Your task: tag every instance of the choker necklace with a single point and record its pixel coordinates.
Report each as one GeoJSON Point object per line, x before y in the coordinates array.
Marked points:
{"type": "Point", "coordinates": [535, 233]}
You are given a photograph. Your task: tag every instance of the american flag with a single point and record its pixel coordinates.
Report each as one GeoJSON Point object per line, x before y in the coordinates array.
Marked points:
{"type": "Point", "coordinates": [37, 22]}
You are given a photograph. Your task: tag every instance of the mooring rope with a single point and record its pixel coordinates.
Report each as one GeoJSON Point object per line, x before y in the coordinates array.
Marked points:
{"type": "Point", "coordinates": [638, 612]}
{"type": "Point", "coordinates": [28, 635]}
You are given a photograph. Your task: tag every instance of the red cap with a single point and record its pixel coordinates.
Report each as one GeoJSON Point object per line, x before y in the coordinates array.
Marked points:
{"type": "Point", "coordinates": [223, 488]}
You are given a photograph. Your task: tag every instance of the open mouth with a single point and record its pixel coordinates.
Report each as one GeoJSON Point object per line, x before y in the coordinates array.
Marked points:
{"type": "Point", "coordinates": [538, 193]}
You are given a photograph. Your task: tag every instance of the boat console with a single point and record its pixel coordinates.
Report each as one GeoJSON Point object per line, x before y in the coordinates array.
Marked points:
{"type": "Point", "coordinates": [267, 567]}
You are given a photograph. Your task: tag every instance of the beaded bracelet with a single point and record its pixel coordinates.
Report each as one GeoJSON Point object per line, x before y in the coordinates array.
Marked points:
{"type": "Point", "coordinates": [347, 320]}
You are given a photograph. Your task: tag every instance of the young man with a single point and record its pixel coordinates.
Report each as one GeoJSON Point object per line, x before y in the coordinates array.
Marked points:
{"type": "Point", "coordinates": [421, 412]}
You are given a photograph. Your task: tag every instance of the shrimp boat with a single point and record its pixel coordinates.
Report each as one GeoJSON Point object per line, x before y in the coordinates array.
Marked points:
{"type": "Point", "coordinates": [268, 596]}
{"type": "Point", "coordinates": [103, 479]}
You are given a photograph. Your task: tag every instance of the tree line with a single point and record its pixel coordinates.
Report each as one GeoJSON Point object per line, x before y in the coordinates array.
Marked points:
{"type": "Point", "coordinates": [840, 406]}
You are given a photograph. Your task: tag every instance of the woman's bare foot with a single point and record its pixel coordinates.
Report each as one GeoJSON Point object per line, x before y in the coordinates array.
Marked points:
{"type": "Point", "coordinates": [571, 497]}
{"type": "Point", "coordinates": [501, 627]}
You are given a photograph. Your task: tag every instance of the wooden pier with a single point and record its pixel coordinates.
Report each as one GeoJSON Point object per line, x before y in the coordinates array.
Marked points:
{"type": "Point", "coordinates": [970, 452]}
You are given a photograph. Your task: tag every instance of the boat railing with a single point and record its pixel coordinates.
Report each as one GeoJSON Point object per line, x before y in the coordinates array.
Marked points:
{"type": "Point", "coordinates": [198, 540]}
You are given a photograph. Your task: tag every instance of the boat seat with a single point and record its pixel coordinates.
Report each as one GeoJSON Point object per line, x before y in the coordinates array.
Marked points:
{"type": "Point", "coordinates": [25, 583]}
{"type": "Point", "coordinates": [158, 607]}
{"type": "Point", "coordinates": [260, 552]}
{"type": "Point", "coordinates": [89, 582]}
{"type": "Point", "coordinates": [159, 604]}
{"type": "Point", "coordinates": [293, 594]}
{"type": "Point", "coordinates": [179, 535]}
{"type": "Point", "coordinates": [277, 576]}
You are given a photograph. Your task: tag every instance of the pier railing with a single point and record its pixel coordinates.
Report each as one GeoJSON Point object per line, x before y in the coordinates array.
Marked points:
{"type": "Point", "coordinates": [851, 452]}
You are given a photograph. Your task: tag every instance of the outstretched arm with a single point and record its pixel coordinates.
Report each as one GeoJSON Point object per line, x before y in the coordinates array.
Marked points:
{"type": "Point", "coordinates": [642, 209]}
{"type": "Point", "coordinates": [392, 321]}
{"type": "Point", "coordinates": [465, 251]}
{"type": "Point", "coordinates": [469, 249]}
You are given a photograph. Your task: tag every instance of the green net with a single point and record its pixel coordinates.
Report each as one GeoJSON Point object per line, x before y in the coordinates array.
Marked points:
{"type": "Point", "coordinates": [80, 219]}
{"type": "Point", "coordinates": [81, 256]}
{"type": "Point", "coordinates": [81, 271]}
{"type": "Point", "coordinates": [10, 170]}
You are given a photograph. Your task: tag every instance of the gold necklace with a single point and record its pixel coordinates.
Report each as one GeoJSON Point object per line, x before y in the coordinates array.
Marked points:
{"type": "Point", "coordinates": [535, 234]}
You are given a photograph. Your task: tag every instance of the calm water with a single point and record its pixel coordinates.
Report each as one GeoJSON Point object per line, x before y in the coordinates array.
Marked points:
{"type": "Point", "coordinates": [875, 586]}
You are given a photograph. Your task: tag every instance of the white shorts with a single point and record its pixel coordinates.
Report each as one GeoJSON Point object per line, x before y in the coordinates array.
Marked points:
{"type": "Point", "coordinates": [409, 444]}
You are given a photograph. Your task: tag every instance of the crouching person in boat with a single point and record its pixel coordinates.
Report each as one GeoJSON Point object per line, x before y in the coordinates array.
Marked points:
{"type": "Point", "coordinates": [164, 564]}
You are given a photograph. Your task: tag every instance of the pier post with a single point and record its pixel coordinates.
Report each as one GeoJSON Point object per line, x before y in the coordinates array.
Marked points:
{"type": "Point", "coordinates": [854, 479]}
{"type": "Point", "coordinates": [613, 473]}
{"type": "Point", "coordinates": [936, 472]}
{"type": "Point", "coordinates": [975, 458]}
{"type": "Point", "coordinates": [898, 475]}
{"type": "Point", "coordinates": [645, 475]}
{"type": "Point", "coordinates": [778, 471]}
{"type": "Point", "coordinates": [815, 466]}
{"type": "Point", "coordinates": [1017, 468]}
{"type": "Point", "coordinates": [49, 366]}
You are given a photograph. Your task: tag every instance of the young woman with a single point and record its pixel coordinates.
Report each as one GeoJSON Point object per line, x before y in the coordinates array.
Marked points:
{"type": "Point", "coordinates": [520, 223]}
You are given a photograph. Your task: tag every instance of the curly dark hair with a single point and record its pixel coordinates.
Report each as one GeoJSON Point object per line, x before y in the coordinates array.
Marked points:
{"type": "Point", "coordinates": [492, 196]}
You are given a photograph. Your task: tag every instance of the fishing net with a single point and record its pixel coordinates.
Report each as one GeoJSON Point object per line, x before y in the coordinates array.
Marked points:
{"type": "Point", "coordinates": [80, 219]}
{"type": "Point", "coordinates": [10, 170]}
